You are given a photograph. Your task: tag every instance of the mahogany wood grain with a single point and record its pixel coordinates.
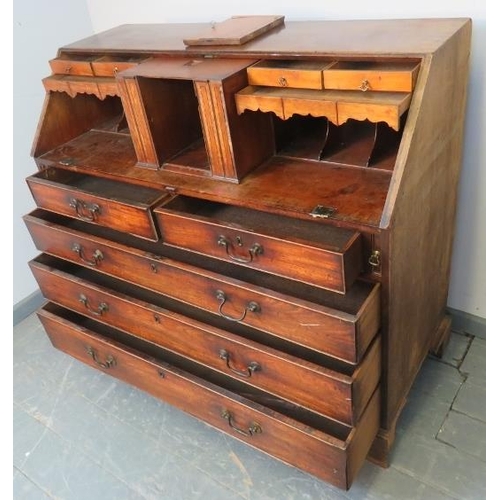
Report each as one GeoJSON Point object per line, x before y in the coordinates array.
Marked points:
{"type": "Point", "coordinates": [330, 393]}
{"type": "Point", "coordinates": [64, 118]}
{"type": "Point", "coordinates": [288, 73]}
{"type": "Point", "coordinates": [297, 39]}
{"type": "Point", "coordinates": [394, 76]}
{"type": "Point", "coordinates": [336, 325]}
{"type": "Point", "coordinates": [323, 454]}
{"type": "Point", "coordinates": [108, 203]}
{"type": "Point", "coordinates": [286, 247]}
{"type": "Point", "coordinates": [427, 172]}
{"type": "Point", "coordinates": [72, 65]}
{"type": "Point", "coordinates": [287, 186]}
{"type": "Point", "coordinates": [236, 30]}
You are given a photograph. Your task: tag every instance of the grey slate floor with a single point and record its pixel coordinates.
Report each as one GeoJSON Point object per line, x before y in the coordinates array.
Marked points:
{"type": "Point", "coordinates": [79, 434]}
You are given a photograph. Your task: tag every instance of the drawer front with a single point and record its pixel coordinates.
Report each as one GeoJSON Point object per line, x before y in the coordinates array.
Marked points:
{"type": "Point", "coordinates": [319, 452]}
{"type": "Point", "coordinates": [262, 241]}
{"type": "Point", "coordinates": [293, 74]}
{"type": "Point", "coordinates": [329, 330]}
{"type": "Point", "coordinates": [377, 76]}
{"type": "Point", "coordinates": [111, 65]}
{"type": "Point", "coordinates": [97, 201]}
{"type": "Point", "coordinates": [72, 65]}
{"type": "Point", "coordinates": [325, 391]}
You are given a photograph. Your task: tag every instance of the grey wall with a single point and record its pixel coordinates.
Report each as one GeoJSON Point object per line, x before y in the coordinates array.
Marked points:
{"type": "Point", "coordinates": [40, 28]}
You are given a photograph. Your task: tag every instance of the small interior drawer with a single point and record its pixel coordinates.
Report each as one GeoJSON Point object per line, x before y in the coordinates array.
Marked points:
{"type": "Point", "coordinates": [113, 64]}
{"type": "Point", "coordinates": [366, 76]}
{"type": "Point", "coordinates": [73, 64]}
{"type": "Point", "coordinates": [283, 430]}
{"type": "Point", "coordinates": [97, 200]}
{"type": "Point", "coordinates": [301, 74]}
{"type": "Point", "coordinates": [310, 252]}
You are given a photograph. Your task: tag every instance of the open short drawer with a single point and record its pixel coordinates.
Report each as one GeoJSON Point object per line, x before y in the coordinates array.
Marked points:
{"type": "Point", "coordinates": [105, 202]}
{"type": "Point", "coordinates": [310, 252]}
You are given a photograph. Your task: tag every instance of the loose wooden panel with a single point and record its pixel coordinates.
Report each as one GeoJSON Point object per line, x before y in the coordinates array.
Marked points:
{"type": "Point", "coordinates": [96, 200]}
{"type": "Point", "coordinates": [327, 450]}
{"type": "Point", "coordinates": [333, 394]}
{"type": "Point", "coordinates": [236, 30]}
{"type": "Point", "coordinates": [336, 325]}
{"type": "Point", "coordinates": [294, 73]}
{"type": "Point", "coordinates": [286, 247]}
{"type": "Point", "coordinates": [372, 75]}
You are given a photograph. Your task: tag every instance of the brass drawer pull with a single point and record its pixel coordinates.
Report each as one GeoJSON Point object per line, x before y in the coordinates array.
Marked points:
{"type": "Point", "coordinates": [97, 256]}
{"type": "Point", "coordinates": [254, 427]}
{"type": "Point", "coordinates": [365, 85]}
{"type": "Point", "coordinates": [282, 81]}
{"type": "Point", "coordinates": [84, 211]}
{"type": "Point", "coordinates": [103, 307]}
{"type": "Point", "coordinates": [252, 367]}
{"type": "Point", "coordinates": [252, 306]}
{"type": "Point", "coordinates": [253, 251]}
{"type": "Point", "coordinates": [110, 361]}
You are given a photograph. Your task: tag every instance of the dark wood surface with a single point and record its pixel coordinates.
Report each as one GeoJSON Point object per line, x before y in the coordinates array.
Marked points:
{"type": "Point", "coordinates": [341, 326]}
{"type": "Point", "coordinates": [332, 454]}
{"type": "Point", "coordinates": [347, 289]}
{"type": "Point", "coordinates": [330, 393]}
{"type": "Point", "coordinates": [388, 37]}
{"type": "Point", "coordinates": [111, 204]}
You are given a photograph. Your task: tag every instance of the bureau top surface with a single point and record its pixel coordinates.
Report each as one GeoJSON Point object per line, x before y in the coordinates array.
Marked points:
{"type": "Point", "coordinates": [389, 37]}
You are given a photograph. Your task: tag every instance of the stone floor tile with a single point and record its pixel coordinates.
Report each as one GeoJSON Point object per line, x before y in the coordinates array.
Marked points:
{"type": "Point", "coordinates": [471, 400]}
{"type": "Point", "coordinates": [64, 472]}
{"type": "Point", "coordinates": [25, 489]}
{"type": "Point", "coordinates": [255, 474]}
{"type": "Point", "coordinates": [440, 466]}
{"type": "Point", "coordinates": [423, 414]}
{"type": "Point", "coordinates": [439, 380]}
{"type": "Point", "coordinates": [464, 433]}
{"type": "Point", "coordinates": [456, 349]}
{"type": "Point", "coordinates": [474, 364]}
{"type": "Point", "coordinates": [374, 483]}
{"type": "Point", "coordinates": [27, 432]}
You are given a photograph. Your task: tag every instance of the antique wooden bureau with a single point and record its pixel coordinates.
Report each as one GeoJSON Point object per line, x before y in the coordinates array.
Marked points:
{"type": "Point", "coordinates": [257, 232]}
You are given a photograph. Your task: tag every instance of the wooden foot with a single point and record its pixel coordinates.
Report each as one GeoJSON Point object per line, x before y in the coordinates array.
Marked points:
{"type": "Point", "coordinates": [381, 447]}
{"type": "Point", "coordinates": [442, 337]}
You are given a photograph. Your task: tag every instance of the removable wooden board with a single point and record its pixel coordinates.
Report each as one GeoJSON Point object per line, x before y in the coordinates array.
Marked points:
{"type": "Point", "coordinates": [236, 30]}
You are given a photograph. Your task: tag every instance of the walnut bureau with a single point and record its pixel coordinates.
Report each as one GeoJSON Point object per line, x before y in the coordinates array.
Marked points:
{"type": "Point", "coordinates": [257, 233]}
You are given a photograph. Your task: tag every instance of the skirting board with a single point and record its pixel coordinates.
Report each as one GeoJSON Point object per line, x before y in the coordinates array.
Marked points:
{"type": "Point", "coordinates": [467, 323]}
{"type": "Point", "coordinates": [460, 320]}
{"type": "Point", "coordinates": [27, 306]}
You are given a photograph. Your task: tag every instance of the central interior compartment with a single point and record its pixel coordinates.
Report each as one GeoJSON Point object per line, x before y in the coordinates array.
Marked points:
{"type": "Point", "coordinates": [171, 107]}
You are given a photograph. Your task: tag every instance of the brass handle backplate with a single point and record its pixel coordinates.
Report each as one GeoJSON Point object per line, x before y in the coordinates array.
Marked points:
{"type": "Point", "coordinates": [251, 368]}
{"type": "Point", "coordinates": [282, 82]}
{"type": "Point", "coordinates": [252, 306]}
{"type": "Point", "coordinates": [101, 309]}
{"type": "Point", "coordinates": [84, 211]}
{"type": "Point", "coordinates": [97, 256]}
{"type": "Point", "coordinates": [365, 85]}
{"type": "Point", "coordinates": [254, 427]}
{"type": "Point", "coordinates": [253, 251]}
{"type": "Point", "coordinates": [110, 360]}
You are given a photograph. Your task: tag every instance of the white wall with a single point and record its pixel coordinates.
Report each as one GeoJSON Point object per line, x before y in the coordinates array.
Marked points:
{"type": "Point", "coordinates": [40, 28]}
{"type": "Point", "coordinates": [468, 290]}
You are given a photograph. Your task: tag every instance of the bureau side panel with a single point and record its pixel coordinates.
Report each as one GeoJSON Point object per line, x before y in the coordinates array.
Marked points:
{"type": "Point", "coordinates": [420, 241]}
